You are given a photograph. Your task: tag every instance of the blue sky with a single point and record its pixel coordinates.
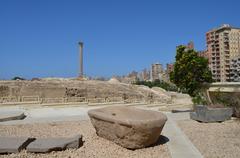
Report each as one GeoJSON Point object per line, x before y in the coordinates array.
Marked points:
{"type": "Point", "coordinates": [38, 38]}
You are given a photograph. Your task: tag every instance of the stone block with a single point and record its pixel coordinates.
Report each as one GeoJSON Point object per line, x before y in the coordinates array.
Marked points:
{"type": "Point", "coordinates": [128, 127]}
{"type": "Point", "coordinates": [205, 114]}
{"type": "Point", "coordinates": [8, 115]}
{"type": "Point", "coordinates": [182, 110]}
{"type": "Point", "coordinates": [44, 145]}
{"type": "Point", "coordinates": [13, 144]}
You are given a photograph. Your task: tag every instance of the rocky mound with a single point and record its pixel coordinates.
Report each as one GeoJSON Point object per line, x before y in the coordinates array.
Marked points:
{"type": "Point", "coordinates": [60, 88]}
{"type": "Point", "coordinates": [113, 80]}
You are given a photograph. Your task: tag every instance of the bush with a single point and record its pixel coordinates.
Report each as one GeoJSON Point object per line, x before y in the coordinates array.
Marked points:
{"type": "Point", "coordinates": [199, 99]}
{"type": "Point", "coordinates": [228, 99]}
{"type": "Point", "coordinates": [158, 83]}
{"type": "Point", "coordinates": [18, 78]}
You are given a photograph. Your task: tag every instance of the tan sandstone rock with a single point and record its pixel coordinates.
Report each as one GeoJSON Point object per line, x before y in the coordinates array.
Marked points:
{"type": "Point", "coordinates": [66, 88]}
{"type": "Point", "coordinates": [128, 127]}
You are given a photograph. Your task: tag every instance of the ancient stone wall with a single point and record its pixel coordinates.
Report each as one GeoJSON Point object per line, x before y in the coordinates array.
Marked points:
{"type": "Point", "coordinates": [92, 90]}
{"type": "Point", "coordinates": [4, 91]}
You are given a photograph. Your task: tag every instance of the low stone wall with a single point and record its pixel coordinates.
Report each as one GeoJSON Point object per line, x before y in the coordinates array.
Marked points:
{"type": "Point", "coordinates": [225, 87]}
{"type": "Point", "coordinates": [226, 93]}
{"type": "Point", "coordinates": [39, 100]}
{"type": "Point", "coordinates": [9, 99]}
{"type": "Point", "coordinates": [77, 91]}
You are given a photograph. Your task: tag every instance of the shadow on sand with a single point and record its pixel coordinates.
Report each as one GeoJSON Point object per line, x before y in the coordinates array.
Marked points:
{"type": "Point", "coordinates": [161, 140]}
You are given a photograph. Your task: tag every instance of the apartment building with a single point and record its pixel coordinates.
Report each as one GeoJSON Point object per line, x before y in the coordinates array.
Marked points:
{"type": "Point", "coordinates": [223, 45]}
{"type": "Point", "coordinates": [190, 45]}
{"type": "Point", "coordinates": [203, 53]}
{"type": "Point", "coordinates": [156, 71]}
{"type": "Point", "coordinates": [235, 69]}
{"type": "Point", "coordinates": [170, 68]}
{"type": "Point", "coordinates": [146, 74]}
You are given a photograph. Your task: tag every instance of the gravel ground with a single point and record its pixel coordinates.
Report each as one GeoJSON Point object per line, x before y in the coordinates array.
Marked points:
{"type": "Point", "coordinates": [94, 146]}
{"type": "Point", "coordinates": [214, 140]}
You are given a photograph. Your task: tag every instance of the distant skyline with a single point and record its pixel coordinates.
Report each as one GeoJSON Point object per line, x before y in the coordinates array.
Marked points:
{"type": "Point", "coordinates": [40, 38]}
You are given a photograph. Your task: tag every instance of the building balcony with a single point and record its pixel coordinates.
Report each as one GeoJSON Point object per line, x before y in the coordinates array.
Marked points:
{"type": "Point", "coordinates": [226, 40]}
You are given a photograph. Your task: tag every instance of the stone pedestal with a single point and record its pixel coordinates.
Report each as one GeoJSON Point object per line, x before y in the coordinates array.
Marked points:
{"type": "Point", "coordinates": [127, 126]}
{"type": "Point", "coordinates": [205, 114]}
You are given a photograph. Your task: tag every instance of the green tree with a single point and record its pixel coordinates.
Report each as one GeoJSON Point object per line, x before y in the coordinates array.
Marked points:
{"type": "Point", "coordinates": [18, 78]}
{"type": "Point", "coordinates": [158, 83]}
{"type": "Point", "coordinates": [190, 71]}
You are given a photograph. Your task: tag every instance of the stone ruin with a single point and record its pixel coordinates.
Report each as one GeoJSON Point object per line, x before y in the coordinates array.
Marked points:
{"type": "Point", "coordinates": [21, 90]}
{"type": "Point", "coordinates": [128, 127]}
{"type": "Point", "coordinates": [38, 145]}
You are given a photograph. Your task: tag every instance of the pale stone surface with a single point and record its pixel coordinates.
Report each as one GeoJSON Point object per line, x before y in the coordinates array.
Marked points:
{"type": "Point", "coordinates": [128, 127]}
{"type": "Point", "coordinates": [8, 115]}
{"type": "Point", "coordinates": [180, 98]}
{"type": "Point", "coordinates": [114, 81]}
{"type": "Point", "coordinates": [13, 144]}
{"type": "Point", "coordinates": [161, 90]}
{"type": "Point", "coordinates": [43, 145]}
{"type": "Point", "coordinates": [58, 88]}
{"type": "Point", "coordinates": [205, 114]}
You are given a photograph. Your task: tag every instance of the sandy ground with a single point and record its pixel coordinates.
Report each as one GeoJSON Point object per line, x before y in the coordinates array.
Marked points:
{"type": "Point", "coordinates": [214, 140]}
{"type": "Point", "coordinates": [94, 146]}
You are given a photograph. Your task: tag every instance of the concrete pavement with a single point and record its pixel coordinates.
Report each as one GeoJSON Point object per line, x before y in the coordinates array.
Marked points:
{"type": "Point", "coordinates": [179, 145]}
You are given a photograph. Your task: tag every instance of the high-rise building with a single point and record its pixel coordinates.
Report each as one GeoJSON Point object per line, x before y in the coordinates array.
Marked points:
{"type": "Point", "coordinates": [223, 44]}
{"type": "Point", "coordinates": [235, 69]}
{"type": "Point", "coordinates": [145, 74]}
{"type": "Point", "coordinates": [190, 45]}
{"type": "Point", "coordinates": [156, 71]}
{"type": "Point", "coordinates": [203, 53]}
{"type": "Point", "coordinates": [133, 74]}
{"type": "Point", "coordinates": [170, 68]}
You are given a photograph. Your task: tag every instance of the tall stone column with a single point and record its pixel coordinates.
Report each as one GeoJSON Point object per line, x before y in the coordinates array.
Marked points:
{"type": "Point", "coordinates": [81, 58]}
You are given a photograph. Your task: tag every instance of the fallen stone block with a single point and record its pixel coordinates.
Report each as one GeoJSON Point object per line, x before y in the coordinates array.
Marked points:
{"type": "Point", "coordinates": [44, 145]}
{"type": "Point", "coordinates": [8, 115]}
{"type": "Point", "coordinates": [182, 110]}
{"type": "Point", "coordinates": [128, 127]}
{"type": "Point", "coordinates": [13, 144]}
{"type": "Point", "coordinates": [205, 114]}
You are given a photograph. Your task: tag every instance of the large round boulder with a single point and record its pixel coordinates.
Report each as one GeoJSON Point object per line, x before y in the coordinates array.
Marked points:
{"type": "Point", "coordinates": [128, 127]}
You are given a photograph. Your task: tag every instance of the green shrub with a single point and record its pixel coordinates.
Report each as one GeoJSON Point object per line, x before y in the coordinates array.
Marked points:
{"type": "Point", "coordinates": [158, 83]}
